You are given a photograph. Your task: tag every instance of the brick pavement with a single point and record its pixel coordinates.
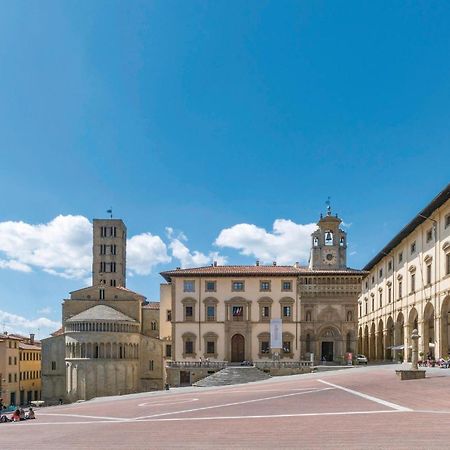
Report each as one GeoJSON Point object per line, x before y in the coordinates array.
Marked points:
{"type": "Point", "coordinates": [357, 408]}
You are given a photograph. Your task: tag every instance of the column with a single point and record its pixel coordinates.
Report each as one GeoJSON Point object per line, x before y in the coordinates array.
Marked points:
{"type": "Point", "coordinates": [441, 348]}
{"type": "Point", "coordinates": [406, 340]}
{"type": "Point", "coordinates": [385, 344]}
{"type": "Point", "coordinates": [422, 339]}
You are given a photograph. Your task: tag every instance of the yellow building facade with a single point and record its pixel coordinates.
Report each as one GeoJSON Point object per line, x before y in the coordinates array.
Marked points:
{"type": "Point", "coordinates": [20, 369]}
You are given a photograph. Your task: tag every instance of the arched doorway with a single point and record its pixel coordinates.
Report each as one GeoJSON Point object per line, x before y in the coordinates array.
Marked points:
{"type": "Point", "coordinates": [366, 341]}
{"type": "Point", "coordinates": [237, 348]}
{"type": "Point", "coordinates": [445, 327]}
{"type": "Point", "coordinates": [399, 337]}
{"type": "Point", "coordinates": [331, 344]}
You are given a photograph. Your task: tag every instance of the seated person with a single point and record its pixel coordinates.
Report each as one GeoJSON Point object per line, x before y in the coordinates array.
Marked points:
{"type": "Point", "coordinates": [30, 414]}
{"type": "Point", "coordinates": [16, 416]}
{"type": "Point", "coordinates": [22, 414]}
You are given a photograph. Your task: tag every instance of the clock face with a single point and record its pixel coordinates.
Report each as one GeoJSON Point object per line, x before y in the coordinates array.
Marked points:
{"type": "Point", "coordinates": [330, 258]}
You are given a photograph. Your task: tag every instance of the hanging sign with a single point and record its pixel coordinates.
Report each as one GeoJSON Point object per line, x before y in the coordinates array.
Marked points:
{"type": "Point", "coordinates": [276, 328]}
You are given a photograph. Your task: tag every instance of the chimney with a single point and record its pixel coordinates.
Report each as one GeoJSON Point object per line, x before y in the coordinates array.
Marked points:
{"type": "Point", "coordinates": [274, 263]}
{"type": "Point", "coordinates": [215, 263]}
{"type": "Point", "coordinates": [297, 265]}
{"type": "Point", "coordinates": [31, 338]}
{"type": "Point", "coordinates": [257, 262]}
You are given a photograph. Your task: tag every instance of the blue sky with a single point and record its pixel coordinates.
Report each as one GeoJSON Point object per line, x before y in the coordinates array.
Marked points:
{"type": "Point", "coordinates": [200, 116]}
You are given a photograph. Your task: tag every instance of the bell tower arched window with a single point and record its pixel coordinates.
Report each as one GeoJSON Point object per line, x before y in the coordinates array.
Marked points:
{"type": "Point", "coordinates": [328, 237]}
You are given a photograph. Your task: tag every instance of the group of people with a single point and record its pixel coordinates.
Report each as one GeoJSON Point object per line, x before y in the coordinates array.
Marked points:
{"type": "Point", "coordinates": [18, 415]}
{"type": "Point", "coordinates": [430, 361]}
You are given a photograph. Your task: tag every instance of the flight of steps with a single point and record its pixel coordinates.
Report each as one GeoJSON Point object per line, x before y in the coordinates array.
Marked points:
{"type": "Point", "coordinates": [233, 375]}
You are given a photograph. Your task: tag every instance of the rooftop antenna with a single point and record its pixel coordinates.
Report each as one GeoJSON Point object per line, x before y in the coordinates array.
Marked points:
{"type": "Point", "coordinates": [109, 211]}
{"type": "Point", "coordinates": [328, 203]}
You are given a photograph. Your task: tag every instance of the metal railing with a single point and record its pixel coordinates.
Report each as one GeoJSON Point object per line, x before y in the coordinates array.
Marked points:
{"type": "Point", "coordinates": [283, 364]}
{"type": "Point", "coordinates": [196, 364]}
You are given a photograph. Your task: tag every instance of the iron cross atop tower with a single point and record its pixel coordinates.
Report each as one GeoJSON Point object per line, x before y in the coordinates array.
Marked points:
{"type": "Point", "coordinates": [329, 243]}
{"type": "Point", "coordinates": [328, 203]}
{"type": "Point", "coordinates": [109, 252]}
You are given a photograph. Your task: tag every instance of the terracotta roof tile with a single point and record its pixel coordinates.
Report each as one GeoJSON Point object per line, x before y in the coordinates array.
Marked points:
{"type": "Point", "coordinates": [24, 346]}
{"type": "Point", "coordinates": [9, 336]}
{"type": "Point", "coordinates": [58, 332]}
{"type": "Point", "coordinates": [152, 305]}
{"type": "Point", "coordinates": [253, 271]}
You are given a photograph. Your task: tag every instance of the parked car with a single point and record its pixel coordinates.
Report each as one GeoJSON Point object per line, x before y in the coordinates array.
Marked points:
{"type": "Point", "coordinates": [361, 359]}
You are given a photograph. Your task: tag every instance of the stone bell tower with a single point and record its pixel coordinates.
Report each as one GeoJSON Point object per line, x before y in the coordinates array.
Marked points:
{"type": "Point", "coordinates": [109, 252]}
{"type": "Point", "coordinates": [329, 244]}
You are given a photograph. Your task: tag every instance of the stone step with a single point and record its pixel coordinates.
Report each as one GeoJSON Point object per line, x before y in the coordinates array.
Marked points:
{"type": "Point", "coordinates": [233, 375]}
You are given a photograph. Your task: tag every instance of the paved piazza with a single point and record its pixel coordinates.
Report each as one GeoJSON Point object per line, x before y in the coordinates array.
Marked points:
{"type": "Point", "coordinates": [363, 407]}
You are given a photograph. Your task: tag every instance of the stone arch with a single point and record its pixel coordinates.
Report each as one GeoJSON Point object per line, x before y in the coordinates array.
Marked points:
{"type": "Point", "coordinates": [366, 340]}
{"type": "Point", "coordinates": [445, 326]}
{"type": "Point", "coordinates": [399, 336]}
{"type": "Point", "coordinates": [330, 342]}
{"type": "Point", "coordinates": [413, 319]}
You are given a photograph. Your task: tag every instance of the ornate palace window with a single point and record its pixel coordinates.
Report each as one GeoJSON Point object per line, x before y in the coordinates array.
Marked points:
{"type": "Point", "coordinates": [189, 345]}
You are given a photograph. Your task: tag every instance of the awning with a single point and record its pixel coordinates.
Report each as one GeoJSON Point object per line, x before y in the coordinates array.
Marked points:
{"type": "Point", "coordinates": [398, 347]}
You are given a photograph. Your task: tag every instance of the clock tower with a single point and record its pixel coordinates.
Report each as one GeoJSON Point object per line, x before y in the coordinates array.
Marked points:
{"type": "Point", "coordinates": [329, 244]}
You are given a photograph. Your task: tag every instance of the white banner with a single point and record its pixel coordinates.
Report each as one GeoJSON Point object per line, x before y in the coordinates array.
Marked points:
{"type": "Point", "coordinates": [276, 329]}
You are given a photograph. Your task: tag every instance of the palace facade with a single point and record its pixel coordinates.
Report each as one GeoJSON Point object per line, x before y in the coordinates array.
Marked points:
{"type": "Point", "coordinates": [108, 344]}
{"type": "Point", "coordinates": [407, 287]}
{"type": "Point", "coordinates": [227, 313]}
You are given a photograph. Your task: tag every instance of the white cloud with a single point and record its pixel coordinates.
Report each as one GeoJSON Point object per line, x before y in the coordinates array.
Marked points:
{"type": "Point", "coordinates": [45, 310]}
{"type": "Point", "coordinates": [287, 243]}
{"type": "Point", "coordinates": [189, 258]}
{"type": "Point", "coordinates": [41, 326]}
{"type": "Point", "coordinates": [145, 251]}
{"type": "Point", "coordinates": [14, 265]}
{"type": "Point", "coordinates": [60, 247]}
{"type": "Point", "coordinates": [63, 247]}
